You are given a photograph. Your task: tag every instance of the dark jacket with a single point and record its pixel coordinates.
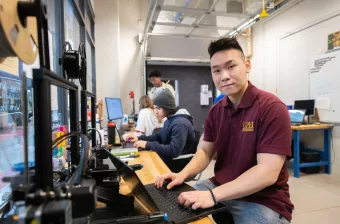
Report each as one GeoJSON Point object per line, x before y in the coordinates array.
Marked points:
{"type": "Point", "coordinates": [176, 138]}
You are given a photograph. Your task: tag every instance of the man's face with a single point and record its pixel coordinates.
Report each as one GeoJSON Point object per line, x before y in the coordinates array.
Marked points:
{"type": "Point", "coordinates": [156, 81]}
{"type": "Point", "coordinates": [229, 71]}
{"type": "Point", "coordinates": [159, 112]}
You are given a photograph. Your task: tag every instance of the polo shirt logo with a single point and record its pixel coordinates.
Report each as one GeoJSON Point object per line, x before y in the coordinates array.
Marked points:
{"type": "Point", "coordinates": [248, 126]}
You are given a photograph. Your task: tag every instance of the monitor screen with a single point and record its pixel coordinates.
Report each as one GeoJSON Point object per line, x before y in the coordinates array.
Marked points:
{"type": "Point", "coordinates": [296, 116]}
{"type": "Point", "coordinates": [114, 108]}
{"type": "Point", "coordinates": [307, 105]}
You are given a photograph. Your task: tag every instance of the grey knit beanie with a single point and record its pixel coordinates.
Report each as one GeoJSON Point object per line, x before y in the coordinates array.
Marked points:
{"type": "Point", "coordinates": [165, 99]}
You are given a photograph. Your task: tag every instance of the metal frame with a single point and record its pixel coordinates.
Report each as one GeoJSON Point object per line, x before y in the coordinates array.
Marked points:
{"type": "Point", "coordinates": [325, 155]}
{"type": "Point", "coordinates": [204, 12]}
{"type": "Point", "coordinates": [42, 81]}
{"type": "Point", "coordinates": [84, 122]}
{"type": "Point", "coordinates": [156, 6]}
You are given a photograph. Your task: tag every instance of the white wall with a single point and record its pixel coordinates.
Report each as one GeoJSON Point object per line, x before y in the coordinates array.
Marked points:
{"type": "Point", "coordinates": [107, 50]}
{"type": "Point", "coordinates": [118, 54]}
{"type": "Point", "coordinates": [178, 47]}
{"type": "Point", "coordinates": [132, 16]}
{"type": "Point", "coordinates": [266, 55]}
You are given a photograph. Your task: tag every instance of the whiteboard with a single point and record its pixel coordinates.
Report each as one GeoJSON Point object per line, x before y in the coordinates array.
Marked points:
{"type": "Point", "coordinates": [325, 85]}
{"type": "Point", "coordinates": [295, 53]}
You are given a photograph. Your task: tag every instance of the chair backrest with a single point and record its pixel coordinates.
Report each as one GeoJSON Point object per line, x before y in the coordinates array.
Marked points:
{"type": "Point", "coordinates": [198, 135]}
{"type": "Point", "coordinates": [177, 164]}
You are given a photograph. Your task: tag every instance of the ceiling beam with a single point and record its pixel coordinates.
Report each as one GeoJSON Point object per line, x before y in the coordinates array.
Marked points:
{"type": "Point", "coordinates": [211, 8]}
{"type": "Point", "coordinates": [153, 13]}
{"type": "Point", "coordinates": [194, 26]}
{"type": "Point", "coordinates": [183, 35]}
{"type": "Point", "coordinates": [203, 11]}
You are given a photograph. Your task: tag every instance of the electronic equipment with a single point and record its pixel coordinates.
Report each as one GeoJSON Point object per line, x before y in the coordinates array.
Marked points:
{"type": "Point", "coordinates": [114, 108]}
{"type": "Point", "coordinates": [296, 116]}
{"type": "Point", "coordinates": [161, 199]}
{"type": "Point", "coordinates": [308, 105]}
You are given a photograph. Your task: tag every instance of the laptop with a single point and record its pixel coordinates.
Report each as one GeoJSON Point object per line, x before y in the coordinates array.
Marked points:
{"type": "Point", "coordinates": [297, 116]}
{"type": "Point", "coordinates": [162, 199]}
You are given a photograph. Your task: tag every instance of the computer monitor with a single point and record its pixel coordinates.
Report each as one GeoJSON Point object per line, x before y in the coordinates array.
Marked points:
{"type": "Point", "coordinates": [307, 105]}
{"type": "Point", "coordinates": [114, 108]}
{"type": "Point", "coordinates": [297, 116]}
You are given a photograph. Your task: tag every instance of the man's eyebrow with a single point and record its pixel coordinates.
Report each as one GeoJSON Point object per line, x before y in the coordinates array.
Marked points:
{"type": "Point", "coordinates": [226, 63]}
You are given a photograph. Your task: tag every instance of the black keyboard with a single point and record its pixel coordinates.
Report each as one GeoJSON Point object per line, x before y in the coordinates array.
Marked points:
{"type": "Point", "coordinates": [128, 145]}
{"type": "Point", "coordinates": [167, 200]}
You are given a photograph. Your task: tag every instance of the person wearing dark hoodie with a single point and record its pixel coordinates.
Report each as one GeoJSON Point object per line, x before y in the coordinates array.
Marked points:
{"type": "Point", "coordinates": [176, 138]}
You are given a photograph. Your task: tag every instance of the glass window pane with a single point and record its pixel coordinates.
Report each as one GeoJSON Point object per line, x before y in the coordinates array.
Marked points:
{"type": "Point", "coordinates": [89, 74]}
{"type": "Point", "coordinates": [53, 10]}
{"type": "Point", "coordinates": [72, 27]}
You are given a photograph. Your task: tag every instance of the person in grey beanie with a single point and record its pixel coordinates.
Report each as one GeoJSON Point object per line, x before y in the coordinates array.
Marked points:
{"type": "Point", "coordinates": [176, 138]}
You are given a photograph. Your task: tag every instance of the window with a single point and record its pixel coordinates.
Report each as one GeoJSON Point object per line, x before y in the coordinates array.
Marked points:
{"type": "Point", "coordinates": [11, 108]}
{"type": "Point", "coordinates": [72, 26]}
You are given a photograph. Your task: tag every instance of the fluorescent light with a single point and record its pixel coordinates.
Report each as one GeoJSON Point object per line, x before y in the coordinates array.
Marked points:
{"type": "Point", "coordinates": [233, 33]}
{"type": "Point", "coordinates": [245, 27]}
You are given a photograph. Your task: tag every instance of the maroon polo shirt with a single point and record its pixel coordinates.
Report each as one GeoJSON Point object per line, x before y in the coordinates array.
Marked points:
{"type": "Point", "coordinates": [260, 124]}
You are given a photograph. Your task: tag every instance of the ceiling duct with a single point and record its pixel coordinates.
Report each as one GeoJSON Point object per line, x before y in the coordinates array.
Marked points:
{"type": "Point", "coordinates": [234, 7]}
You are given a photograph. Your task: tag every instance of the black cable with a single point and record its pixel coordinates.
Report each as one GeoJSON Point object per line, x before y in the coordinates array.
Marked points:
{"type": "Point", "coordinates": [82, 166]}
{"type": "Point", "coordinates": [67, 44]}
{"type": "Point", "coordinates": [58, 140]}
{"type": "Point", "coordinates": [100, 136]}
{"type": "Point", "coordinates": [83, 66]}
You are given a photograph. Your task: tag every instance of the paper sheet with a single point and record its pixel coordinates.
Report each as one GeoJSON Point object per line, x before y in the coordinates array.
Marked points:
{"type": "Point", "coordinates": [204, 101]}
{"type": "Point", "coordinates": [323, 103]}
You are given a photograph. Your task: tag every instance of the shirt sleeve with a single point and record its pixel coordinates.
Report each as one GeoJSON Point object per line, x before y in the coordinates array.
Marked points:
{"type": "Point", "coordinates": [171, 89]}
{"type": "Point", "coordinates": [208, 135]}
{"type": "Point", "coordinates": [141, 122]}
{"type": "Point", "coordinates": [274, 135]}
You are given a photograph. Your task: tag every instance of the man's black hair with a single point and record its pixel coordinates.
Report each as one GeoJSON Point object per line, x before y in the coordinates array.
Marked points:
{"type": "Point", "coordinates": [169, 112]}
{"type": "Point", "coordinates": [155, 74]}
{"type": "Point", "coordinates": [225, 43]}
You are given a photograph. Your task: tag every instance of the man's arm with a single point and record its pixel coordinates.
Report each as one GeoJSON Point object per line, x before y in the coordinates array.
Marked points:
{"type": "Point", "coordinates": [150, 138]}
{"type": "Point", "coordinates": [264, 174]}
{"type": "Point", "coordinates": [200, 161]}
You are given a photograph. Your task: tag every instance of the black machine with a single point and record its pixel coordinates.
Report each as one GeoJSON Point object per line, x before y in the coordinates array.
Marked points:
{"type": "Point", "coordinates": [308, 105]}
{"type": "Point", "coordinates": [40, 195]}
{"type": "Point", "coordinates": [161, 199]}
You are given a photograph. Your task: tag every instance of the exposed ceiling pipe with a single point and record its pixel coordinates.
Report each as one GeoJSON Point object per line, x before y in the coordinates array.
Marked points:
{"type": "Point", "coordinates": [248, 34]}
{"type": "Point", "coordinates": [252, 21]}
{"type": "Point", "coordinates": [149, 19]}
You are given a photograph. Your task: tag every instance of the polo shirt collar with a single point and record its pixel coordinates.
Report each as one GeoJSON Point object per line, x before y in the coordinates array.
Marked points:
{"type": "Point", "coordinates": [248, 98]}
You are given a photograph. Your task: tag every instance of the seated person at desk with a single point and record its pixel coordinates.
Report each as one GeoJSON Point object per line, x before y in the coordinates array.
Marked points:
{"type": "Point", "coordinates": [147, 120]}
{"type": "Point", "coordinates": [176, 138]}
{"type": "Point", "coordinates": [250, 131]}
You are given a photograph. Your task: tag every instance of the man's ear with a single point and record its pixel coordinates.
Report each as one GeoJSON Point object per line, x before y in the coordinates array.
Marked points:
{"type": "Point", "coordinates": [248, 65]}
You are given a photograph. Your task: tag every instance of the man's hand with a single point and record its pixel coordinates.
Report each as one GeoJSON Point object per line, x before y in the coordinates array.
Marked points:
{"type": "Point", "coordinates": [131, 138]}
{"type": "Point", "coordinates": [140, 144]}
{"type": "Point", "coordinates": [196, 199]}
{"type": "Point", "coordinates": [175, 178]}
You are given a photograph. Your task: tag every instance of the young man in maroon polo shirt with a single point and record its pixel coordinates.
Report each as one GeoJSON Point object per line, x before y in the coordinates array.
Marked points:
{"type": "Point", "coordinates": [250, 132]}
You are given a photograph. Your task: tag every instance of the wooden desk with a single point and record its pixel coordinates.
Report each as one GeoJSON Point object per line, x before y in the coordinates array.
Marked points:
{"type": "Point", "coordinates": [324, 155]}
{"type": "Point", "coordinates": [153, 167]}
